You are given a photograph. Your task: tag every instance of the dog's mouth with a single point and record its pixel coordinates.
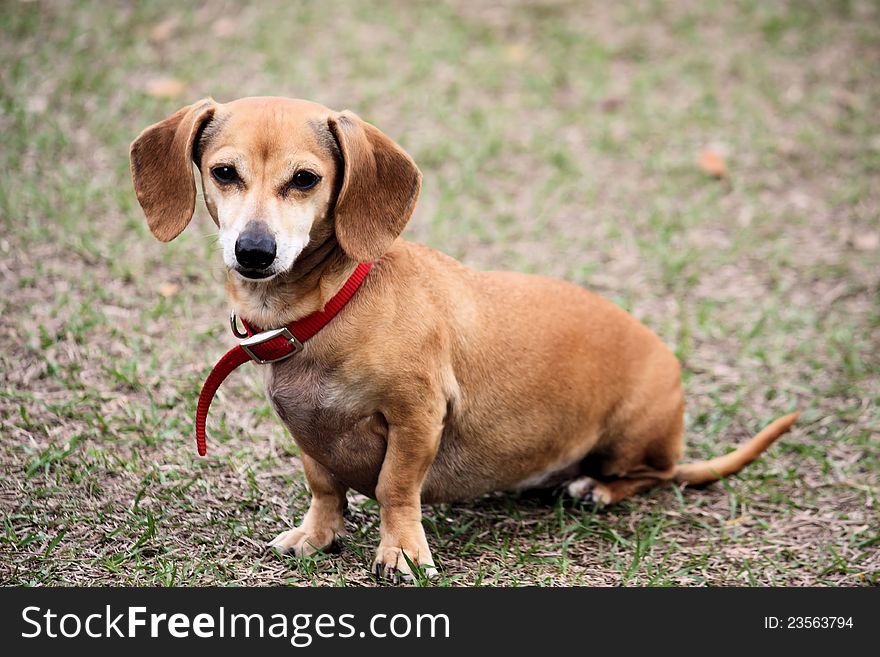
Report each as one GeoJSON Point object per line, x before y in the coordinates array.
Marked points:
{"type": "Point", "coordinates": [255, 274]}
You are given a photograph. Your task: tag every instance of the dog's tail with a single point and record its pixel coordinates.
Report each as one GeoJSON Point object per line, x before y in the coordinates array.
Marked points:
{"type": "Point", "coordinates": [706, 472]}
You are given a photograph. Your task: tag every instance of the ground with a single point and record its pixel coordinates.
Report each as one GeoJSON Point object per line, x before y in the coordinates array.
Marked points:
{"type": "Point", "coordinates": [556, 137]}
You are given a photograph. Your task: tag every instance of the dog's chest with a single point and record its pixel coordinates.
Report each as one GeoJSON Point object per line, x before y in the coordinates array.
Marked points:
{"type": "Point", "coordinates": [312, 399]}
{"type": "Point", "coordinates": [330, 417]}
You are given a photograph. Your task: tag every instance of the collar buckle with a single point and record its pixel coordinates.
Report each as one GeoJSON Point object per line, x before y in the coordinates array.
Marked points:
{"type": "Point", "coordinates": [267, 336]}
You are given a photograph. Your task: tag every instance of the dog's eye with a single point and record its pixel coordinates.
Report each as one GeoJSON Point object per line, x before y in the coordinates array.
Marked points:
{"type": "Point", "coordinates": [225, 174]}
{"type": "Point", "coordinates": [304, 179]}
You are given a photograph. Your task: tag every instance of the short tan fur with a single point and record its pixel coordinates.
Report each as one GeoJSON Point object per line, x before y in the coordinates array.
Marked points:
{"type": "Point", "coordinates": [435, 382]}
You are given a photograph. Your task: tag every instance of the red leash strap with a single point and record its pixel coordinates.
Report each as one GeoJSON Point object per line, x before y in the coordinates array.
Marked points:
{"type": "Point", "coordinates": [271, 346]}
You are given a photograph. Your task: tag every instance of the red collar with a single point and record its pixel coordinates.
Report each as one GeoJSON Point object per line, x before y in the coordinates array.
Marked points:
{"type": "Point", "coordinates": [271, 346]}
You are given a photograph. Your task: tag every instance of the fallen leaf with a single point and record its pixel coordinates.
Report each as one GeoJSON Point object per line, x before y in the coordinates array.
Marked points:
{"type": "Point", "coordinates": [866, 241]}
{"type": "Point", "coordinates": [165, 87]}
{"type": "Point", "coordinates": [163, 30]}
{"type": "Point", "coordinates": [168, 290]}
{"type": "Point", "coordinates": [713, 163]}
{"type": "Point", "coordinates": [611, 103]}
{"type": "Point", "coordinates": [516, 53]}
{"type": "Point", "coordinates": [224, 27]}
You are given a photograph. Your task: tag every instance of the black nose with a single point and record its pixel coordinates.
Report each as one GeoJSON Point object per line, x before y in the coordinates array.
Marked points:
{"type": "Point", "coordinates": [255, 246]}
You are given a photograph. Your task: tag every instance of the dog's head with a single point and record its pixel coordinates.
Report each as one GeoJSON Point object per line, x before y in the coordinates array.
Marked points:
{"type": "Point", "coordinates": [277, 175]}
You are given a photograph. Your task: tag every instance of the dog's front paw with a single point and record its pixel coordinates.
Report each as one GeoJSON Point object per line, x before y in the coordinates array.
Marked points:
{"type": "Point", "coordinates": [303, 541]}
{"type": "Point", "coordinates": [393, 562]}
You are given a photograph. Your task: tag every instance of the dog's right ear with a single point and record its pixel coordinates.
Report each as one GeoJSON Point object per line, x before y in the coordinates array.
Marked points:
{"type": "Point", "coordinates": [161, 169]}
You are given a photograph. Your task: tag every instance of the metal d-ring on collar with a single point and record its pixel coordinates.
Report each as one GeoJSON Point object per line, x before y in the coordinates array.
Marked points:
{"type": "Point", "coordinates": [233, 323]}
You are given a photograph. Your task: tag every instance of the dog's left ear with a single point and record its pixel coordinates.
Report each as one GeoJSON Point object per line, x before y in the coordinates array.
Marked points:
{"type": "Point", "coordinates": [380, 187]}
{"type": "Point", "coordinates": [161, 169]}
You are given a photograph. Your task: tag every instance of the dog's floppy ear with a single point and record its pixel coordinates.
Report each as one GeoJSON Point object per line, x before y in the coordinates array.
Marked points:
{"type": "Point", "coordinates": [380, 186]}
{"type": "Point", "coordinates": [161, 169]}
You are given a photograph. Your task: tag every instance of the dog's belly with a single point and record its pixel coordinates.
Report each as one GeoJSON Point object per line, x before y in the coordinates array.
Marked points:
{"type": "Point", "coordinates": [336, 427]}
{"type": "Point", "coordinates": [475, 458]}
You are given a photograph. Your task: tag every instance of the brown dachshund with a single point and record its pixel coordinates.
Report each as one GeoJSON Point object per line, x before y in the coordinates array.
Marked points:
{"type": "Point", "coordinates": [435, 382]}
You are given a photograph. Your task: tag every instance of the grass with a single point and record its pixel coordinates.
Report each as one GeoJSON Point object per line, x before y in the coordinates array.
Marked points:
{"type": "Point", "coordinates": [554, 137]}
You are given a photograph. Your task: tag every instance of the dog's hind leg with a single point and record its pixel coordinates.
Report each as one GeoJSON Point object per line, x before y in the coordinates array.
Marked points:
{"type": "Point", "coordinates": [641, 448]}
{"type": "Point", "coordinates": [602, 493]}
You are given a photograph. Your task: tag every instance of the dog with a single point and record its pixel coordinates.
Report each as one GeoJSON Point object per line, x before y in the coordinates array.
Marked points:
{"type": "Point", "coordinates": [434, 383]}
